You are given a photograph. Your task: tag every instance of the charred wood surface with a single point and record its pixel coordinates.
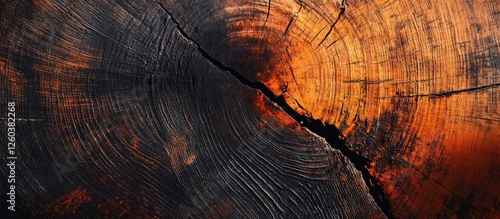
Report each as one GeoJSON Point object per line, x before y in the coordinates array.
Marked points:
{"type": "Point", "coordinates": [252, 109]}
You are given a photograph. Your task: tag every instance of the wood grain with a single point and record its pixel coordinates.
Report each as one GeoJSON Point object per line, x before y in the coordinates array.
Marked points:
{"type": "Point", "coordinates": [236, 108]}
{"type": "Point", "coordinates": [412, 85]}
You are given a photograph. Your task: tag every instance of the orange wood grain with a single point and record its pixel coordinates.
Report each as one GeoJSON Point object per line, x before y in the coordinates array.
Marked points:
{"type": "Point", "coordinates": [413, 85]}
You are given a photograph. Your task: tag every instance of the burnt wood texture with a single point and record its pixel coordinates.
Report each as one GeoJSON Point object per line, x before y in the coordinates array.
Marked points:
{"type": "Point", "coordinates": [252, 109]}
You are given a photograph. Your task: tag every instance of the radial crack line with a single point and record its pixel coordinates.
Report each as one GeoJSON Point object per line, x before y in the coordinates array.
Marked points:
{"type": "Point", "coordinates": [342, 10]}
{"type": "Point", "coordinates": [268, 11]}
{"type": "Point", "coordinates": [329, 132]}
{"type": "Point", "coordinates": [450, 93]}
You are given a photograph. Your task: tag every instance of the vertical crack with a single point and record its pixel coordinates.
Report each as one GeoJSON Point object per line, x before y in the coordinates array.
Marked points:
{"type": "Point", "coordinates": [288, 26]}
{"type": "Point", "coordinates": [295, 15]}
{"type": "Point", "coordinates": [268, 11]}
{"type": "Point", "coordinates": [342, 10]}
{"type": "Point", "coordinates": [329, 132]}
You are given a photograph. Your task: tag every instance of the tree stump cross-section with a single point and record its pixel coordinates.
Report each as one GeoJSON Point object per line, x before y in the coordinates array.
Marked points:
{"type": "Point", "coordinates": [250, 109]}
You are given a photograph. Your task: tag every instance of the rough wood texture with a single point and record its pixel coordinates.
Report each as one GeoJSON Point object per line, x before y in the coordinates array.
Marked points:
{"type": "Point", "coordinates": [211, 109]}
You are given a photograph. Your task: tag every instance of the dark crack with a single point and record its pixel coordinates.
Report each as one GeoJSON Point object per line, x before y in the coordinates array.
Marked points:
{"type": "Point", "coordinates": [342, 10]}
{"type": "Point", "coordinates": [288, 26]}
{"type": "Point", "coordinates": [295, 15]}
{"type": "Point", "coordinates": [445, 94]}
{"type": "Point", "coordinates": [329, 132]}
{"type": "Point", "coordinates": [268, 11]}
{"type": "Point", "coordinates": [450, 93]}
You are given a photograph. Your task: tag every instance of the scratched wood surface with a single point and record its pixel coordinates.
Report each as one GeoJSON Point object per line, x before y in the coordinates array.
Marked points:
{"type": "Point", "coordinates": [253, 109]}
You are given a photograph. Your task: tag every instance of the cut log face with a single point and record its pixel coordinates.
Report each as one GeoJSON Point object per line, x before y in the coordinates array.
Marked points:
{"type": "Point", "coordinates": [231, 109]}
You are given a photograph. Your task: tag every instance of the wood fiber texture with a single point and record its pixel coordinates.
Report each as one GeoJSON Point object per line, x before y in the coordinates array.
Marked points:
{"type": "Point", "coordinates": [253, 109]}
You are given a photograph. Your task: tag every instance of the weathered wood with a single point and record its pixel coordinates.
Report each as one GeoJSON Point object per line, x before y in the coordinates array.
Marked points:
{"type": "Point", "coordinates": [412, 85]}
{"type": "Point", "coordinates": [228, 108]}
